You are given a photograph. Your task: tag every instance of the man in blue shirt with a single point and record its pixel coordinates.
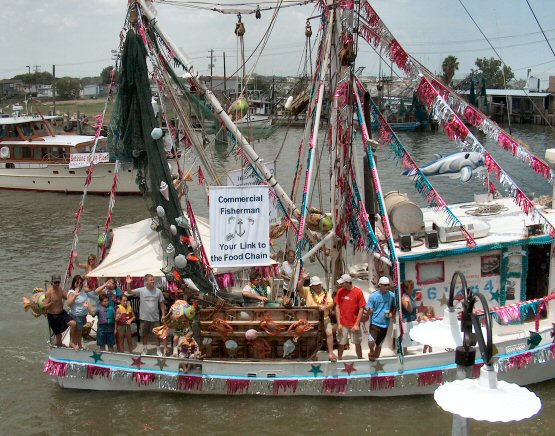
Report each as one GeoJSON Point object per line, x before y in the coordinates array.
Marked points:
{"type": "Point", "coordinates": [380, 308]}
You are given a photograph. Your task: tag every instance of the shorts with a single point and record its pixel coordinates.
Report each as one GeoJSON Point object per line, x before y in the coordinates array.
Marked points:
{"type": "Point", "coordinates": [378, 334]}
{"type": "Point", "coordinates": [80, 321]}
{"type": "Point", "coordinates": [346, 334]}
{"type": "Point", "coordinates": [105, 336]}
{"type": "Point", "coordinates": [147, 326]}
{"type": "Point", "coordinates": [124, 328]}
{"type": "Point", "coordinates": [58, 322]}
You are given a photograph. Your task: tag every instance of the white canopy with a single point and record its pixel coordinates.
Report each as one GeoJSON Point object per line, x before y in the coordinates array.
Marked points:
{"type": "Point", "coordinates": [136, 251]}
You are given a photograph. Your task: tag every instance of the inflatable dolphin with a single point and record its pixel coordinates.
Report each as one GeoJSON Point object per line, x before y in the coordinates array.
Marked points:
{"type": "Point", "coordinates": [456, 165]}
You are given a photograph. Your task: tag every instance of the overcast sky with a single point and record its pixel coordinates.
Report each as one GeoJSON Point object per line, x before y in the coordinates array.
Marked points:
{"type": "Point", "coordinates": [78, 35]}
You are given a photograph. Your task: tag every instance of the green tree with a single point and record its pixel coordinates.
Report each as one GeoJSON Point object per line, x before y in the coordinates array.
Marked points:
{"type": "Point", "coordinates": [449, 66]}
{"type": "Point", "coordinates": [41, 77]}
{"type": "Point", "coordinates": [106, 75]}
{"type": "Point", "coordinates": [496, 76]}
{"type": "Point", "coordinates": [68, 88]}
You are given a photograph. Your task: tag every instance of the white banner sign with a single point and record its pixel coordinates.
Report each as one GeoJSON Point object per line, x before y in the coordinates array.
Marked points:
{"type": "Point", "coordinates": [246, 177]}
{"type": "Point", "coordinates": [80, 160]}
{"type": "Point", "coordinates": [239, 226]}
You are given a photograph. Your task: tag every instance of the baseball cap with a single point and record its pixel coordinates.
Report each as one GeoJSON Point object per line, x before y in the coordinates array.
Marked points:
{"type": "Point", "coordinates": [56, 278]}
{"type": "Point", "coordinates": [345, 278]}
{"type": "Point", "coordinates": [315, 280]}
{"type": "Point", "coordinates": [383, 281]}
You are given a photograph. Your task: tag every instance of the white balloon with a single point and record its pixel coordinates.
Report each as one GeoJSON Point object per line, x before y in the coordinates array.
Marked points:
{"type": "Point", "coordinates": [156, 133]}
{"type": "Point", "coordinates": [173, 229]}
{"type": "Point", "coordinates": [160, 211]}
{"type": "Point", "coordinates": [180, 261]}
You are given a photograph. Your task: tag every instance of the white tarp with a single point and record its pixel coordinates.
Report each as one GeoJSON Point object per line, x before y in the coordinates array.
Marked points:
{"type": "Point", "coordinates": [240, 228]}
{"type": "Point", "coordinates": [136, 250]}
{"type": "Point", "coordinates": [80, 160]}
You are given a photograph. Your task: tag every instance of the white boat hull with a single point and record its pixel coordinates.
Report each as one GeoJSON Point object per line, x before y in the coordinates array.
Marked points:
{"type": "Point", "coordinates": [418, 374]}
{"type": "Point", "coordinates": [47, 177]}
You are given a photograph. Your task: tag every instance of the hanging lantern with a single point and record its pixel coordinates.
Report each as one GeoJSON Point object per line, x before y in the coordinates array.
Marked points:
{"type": "Point", "coordinates": [156, 133]}
{"type": "Point", "coordinates": [160, 212]}
{"type": "Point", "coordinates": [180, 261]}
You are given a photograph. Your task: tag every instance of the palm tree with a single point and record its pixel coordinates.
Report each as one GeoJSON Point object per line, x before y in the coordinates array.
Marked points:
{"type": "Point", "coordinates": [449, 66]}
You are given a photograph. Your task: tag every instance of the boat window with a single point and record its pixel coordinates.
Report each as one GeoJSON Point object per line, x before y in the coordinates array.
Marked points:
{"type": "Point", "coordinates": [26, 129]}
{"type": "Point", "coordinates": [430, 272]}
{"type": "Point", "coordinates": [58, 153]}
{"type": "Point", "coordinates": [2, 131]}
{"type": "Point", "coordinates": [41, 153]}
{"type": "Point", "coordinates": [20, 152]}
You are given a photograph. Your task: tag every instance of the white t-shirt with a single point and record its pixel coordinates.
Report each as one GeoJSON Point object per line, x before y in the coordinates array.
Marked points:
{"type": "Point", "coordinates": [287, 269]}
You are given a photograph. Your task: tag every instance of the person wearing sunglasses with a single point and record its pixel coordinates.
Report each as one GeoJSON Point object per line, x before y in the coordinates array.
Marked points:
{"type": "Point", "coordinates": [77, 300]}
{"type": "Point", "coordinates": [58, 318]}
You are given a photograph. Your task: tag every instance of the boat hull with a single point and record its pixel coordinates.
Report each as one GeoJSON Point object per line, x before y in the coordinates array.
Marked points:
{"type": "Point", "coordinates": [419, 374]}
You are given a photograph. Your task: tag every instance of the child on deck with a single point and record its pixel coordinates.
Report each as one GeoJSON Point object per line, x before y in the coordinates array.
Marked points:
{"type": "Point", "coordinates": [188, 348]}
{"type": "Point", "coordinates": [106, 329]}
{"type": "Point", "coordinates": [124, 318]}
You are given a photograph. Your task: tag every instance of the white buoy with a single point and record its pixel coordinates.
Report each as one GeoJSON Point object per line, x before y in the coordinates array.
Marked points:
{"type": "Point", "coordinates": [289, 102]}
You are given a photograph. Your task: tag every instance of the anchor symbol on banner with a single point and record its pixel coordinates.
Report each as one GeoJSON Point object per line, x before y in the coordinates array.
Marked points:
{"type": "Point", "coordinates": [240, 225]}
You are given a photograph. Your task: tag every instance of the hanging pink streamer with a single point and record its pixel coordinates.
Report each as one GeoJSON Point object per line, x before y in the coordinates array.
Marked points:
{"type": "Point", "coordinates": [100, 371]}
{"type": "Point", "coordinates": [381, 383]}
{"type": "Point", "coordinates": [398, 55]}
{"type": "Point", "coordinates": [507, 143]}
{"type": "Point", "coordinates": [144, 378]}
{"type": "Point", "coordinates": [492, 165]}
{"type": "Point", "coordinates": [370, 14]}
{"type": "Point", "coordinates": [441, 88]}
{"type": "Point", "coordinates": [237, 385]}
{"type": "Point", "coordinates": [456, 130]}
{"type": "Point", "coordinates": [524, 202]}
{"type": "Point", "coordinates": [426, 92]}
{"type": "Point", "coordinates": [287, 386]}
{"type": "Point", "coordinates": [430, 378]}
{"type": "Point", "coordinates": [520, 361]}
{"type": "Point", "coordinates": [189, 383]}
{"type": "Point", "coordinates": [372, 37]}
{"type": "Point", "coordinates": [334, 385]}
{"type": "Point", "coordinates": [55, 369]}
{"type": "Point", "coordinates": [225, 280]}
{"type": "Point", "coordinates": [473, 116]}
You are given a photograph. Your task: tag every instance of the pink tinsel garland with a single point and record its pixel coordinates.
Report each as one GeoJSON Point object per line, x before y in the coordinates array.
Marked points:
{"type": "Point", "coordinates": [398, 55]}
{"type": "Point", "coordinates": [426, 92]}
{"type": "Point", "coordinates": [520, 361]}
{"type": "Point", "coordinates": [370, 14]}
{"type": "Point", "coordinates": [473, 116]}
{"type": "Point", "coordinates": [430, 378]}
{"type": "Point", "coordinates": [507, 143]}
{"type": "Point", "coordinates": [55, 369]}
{"type": "Point", "coordinates": [189, 383]}
{"type": "Point", "coordinates": [100, 371]}
{"type": "Point", "coordinates": [455, 129]}
{"type": "Point", "coordinates": [371, 36]}
{"type": "Point", "coordinates": [225, 280]}
{"type": "Point", "coordinates": [144, 378]}
{"type": "Point", "coordinates": [236, 385]}
{"type": "Point", "coordinates": [334, 385]}
{"type": "Point", "coordinates": [380, 383]}
{"type": "Point", "coordinates": [285, 385]}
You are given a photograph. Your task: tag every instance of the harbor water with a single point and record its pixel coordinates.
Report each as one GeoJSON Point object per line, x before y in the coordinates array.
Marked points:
{"type": "Point", "coordinates": [35, 241]}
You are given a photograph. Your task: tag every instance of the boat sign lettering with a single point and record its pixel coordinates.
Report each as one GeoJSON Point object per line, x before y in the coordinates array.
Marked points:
{"type": "Point", "coordinates": [239, 226]}
{"type": "Point", "coordinates": [80, 160]}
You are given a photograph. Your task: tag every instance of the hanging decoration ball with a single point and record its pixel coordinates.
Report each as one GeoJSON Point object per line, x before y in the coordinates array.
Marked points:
{"type": "Point", "coordinates": [101, 240]}
{"type": "Point", "coordinates": [191, 312]}
{"type": "Point", "coordinates": [326, 224]}
{"type": "Point", "coordinates": [231, 344]}
{"type": "Point", "coordinates": [170, 249]}
{"type": "Point", "coordinates": [156, 133]}
{"type": "Point", "coordinates": [244, 316]}
{"type": "Point", "coordinates": [288, 347]}
{"type": "Point", "coordinates": [251, 335]}
{"type": "Point", "coordinates": [180, 261]}
{"type": "Point", "coordinates": [173, 230]}
{"type": "Point", "coordinates": [160, 211]}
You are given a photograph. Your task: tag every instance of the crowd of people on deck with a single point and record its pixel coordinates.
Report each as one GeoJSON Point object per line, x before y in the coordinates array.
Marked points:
{"type": "Point", "coordinates": [345, 311]}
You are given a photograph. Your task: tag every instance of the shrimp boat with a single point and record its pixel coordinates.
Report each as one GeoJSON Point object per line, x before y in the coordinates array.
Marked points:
{"type": "Point", "coordinates": [506, 251]}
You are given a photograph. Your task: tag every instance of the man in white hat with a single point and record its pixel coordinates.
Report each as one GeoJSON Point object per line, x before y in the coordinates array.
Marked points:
{"type": "Point", "coordinates": [381, 307]}
{"type": "Point", "coordinates": [316, 296]}
{"type": "Point", "coordinates": [349, 306]}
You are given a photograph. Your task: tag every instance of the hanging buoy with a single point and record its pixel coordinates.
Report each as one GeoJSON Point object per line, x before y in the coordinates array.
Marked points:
{"type": "Point", "coordinates": [289, 102]}
{"type": "Point", "coordinates": [258, 14]}
{"type": "Point", "coordinates": [156, 133]}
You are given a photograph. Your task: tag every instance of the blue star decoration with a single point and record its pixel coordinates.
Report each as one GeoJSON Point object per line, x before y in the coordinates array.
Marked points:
{"type": "Point", "coordinates": [443, 300]}
{"type": "Point", "coordinates": [137, 362]}
{"type": "Point", "coordinates": [96, 356]}
{"type": "Point", "coordinates": [315, 370]}
{"type": "Point", "coordinates": [378, 366]}
{"type": "Point", "coordinates": [349, 368]}
{"type": "Point", "coordinates": [495, 296]}
{"type": "Point", "coordinates": [534, 340]}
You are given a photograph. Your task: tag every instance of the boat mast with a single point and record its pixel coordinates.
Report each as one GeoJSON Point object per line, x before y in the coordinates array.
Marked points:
{"type": "Point", "coordinates": [149, 12]}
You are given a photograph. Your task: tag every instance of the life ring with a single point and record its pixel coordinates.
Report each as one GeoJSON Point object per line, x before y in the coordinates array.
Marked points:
{"type": "Point", "coordinates": [5, 152]}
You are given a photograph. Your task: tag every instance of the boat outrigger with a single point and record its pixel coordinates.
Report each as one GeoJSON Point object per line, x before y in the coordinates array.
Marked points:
{"type": "Point", "coordinates": [506, 251]}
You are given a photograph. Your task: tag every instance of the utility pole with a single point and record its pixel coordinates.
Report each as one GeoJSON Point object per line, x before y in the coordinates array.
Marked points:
{"type": "Point", "coordinates": [211, 67]}
{"type": "Point", "coordinates": [54, 89]}
{"type": "Point", "coordinates": [36, 80]}
{"type": "Point", "coordinates": [225, 78]}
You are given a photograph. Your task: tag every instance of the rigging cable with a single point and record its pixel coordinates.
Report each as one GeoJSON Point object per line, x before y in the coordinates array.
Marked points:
{"type": "Point", "coordinates": [539, 25]}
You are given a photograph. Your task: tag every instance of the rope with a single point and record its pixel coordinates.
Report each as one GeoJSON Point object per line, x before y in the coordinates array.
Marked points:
{"type": "Point", "coordinates": [487, 209]}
